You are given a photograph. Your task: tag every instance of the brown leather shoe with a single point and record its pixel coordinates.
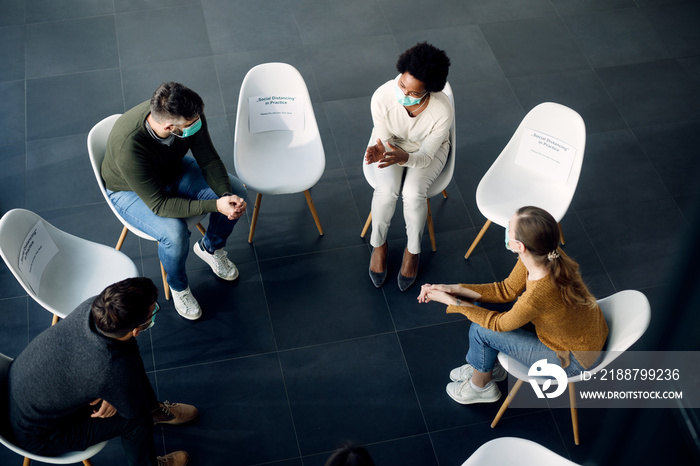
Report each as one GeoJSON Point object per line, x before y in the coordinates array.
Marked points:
{"type": "Point", "coordinates": [174, 413]}
{"type": "Point", "coordinates": [176, 458]}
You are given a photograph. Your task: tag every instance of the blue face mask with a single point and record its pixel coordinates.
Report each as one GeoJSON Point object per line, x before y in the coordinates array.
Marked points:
{"type": "Point", "coordinates": [406, 100]}
{"type": "Point", "coordinates": [190, 130]}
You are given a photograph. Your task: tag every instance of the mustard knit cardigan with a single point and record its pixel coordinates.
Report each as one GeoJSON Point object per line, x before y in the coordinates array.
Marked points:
{"type": "Point", "coordinates": [562, 328]}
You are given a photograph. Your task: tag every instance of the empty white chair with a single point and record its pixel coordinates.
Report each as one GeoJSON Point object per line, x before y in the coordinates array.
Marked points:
{"type": "Point", "coordinates": [281, 161]}
{"type": "Point", "coordinates": [627, 314]}
{"type": "Point", "coordinates": [507, 186]}
{"type": "Point", "coordinates": [79, 269]}
{"type": "Point", "coordinates": [97, 146]}
{"type": "Point", "coordinates": [66, 458]}
{"type": "Point", "coordinates": [440, 183]}
{"type": "Point", "coordinates": [514, 451]}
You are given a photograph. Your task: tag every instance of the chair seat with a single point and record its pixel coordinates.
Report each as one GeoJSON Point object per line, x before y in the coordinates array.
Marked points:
{"type": "Point", "coordinates": [292, 169]}
{"type": "Point", "coordinates": [495, 199]}
{"type": "Point", "coordinates": [66, 458]}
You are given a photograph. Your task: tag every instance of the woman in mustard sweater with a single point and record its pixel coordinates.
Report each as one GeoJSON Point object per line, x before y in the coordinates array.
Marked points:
{"type": "Point", "coordinates": [570, 329]}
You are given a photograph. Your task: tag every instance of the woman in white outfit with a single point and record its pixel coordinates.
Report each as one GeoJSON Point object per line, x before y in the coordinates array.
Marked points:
{"type": "Point", "coordinates": [412, 119]}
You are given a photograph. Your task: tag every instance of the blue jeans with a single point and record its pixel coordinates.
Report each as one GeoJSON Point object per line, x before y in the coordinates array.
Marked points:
{"type": "Point", "coordinates": [172, 234]}
{"type": "Point", "coordinates": [522, 345]}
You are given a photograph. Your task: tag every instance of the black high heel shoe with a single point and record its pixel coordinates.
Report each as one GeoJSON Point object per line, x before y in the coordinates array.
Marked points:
{"type": "Point", "coordinates": [378, 277]}
{"type": "Point", "coordinates": [406, 282]}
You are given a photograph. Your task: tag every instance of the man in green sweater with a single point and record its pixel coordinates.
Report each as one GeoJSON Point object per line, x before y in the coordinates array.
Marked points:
{"type": "Point", "coordinates": [156, 186]}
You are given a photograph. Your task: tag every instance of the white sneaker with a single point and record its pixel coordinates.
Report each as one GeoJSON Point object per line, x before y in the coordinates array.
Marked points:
{"type": "Point", "coordinates": [186, 305]}
{"type": "Point", "coordinates": [219, 263]}
{"type": "Point", "coordinates": [463, 392]}
{"type": "Point", "coordinates": [459, 374]}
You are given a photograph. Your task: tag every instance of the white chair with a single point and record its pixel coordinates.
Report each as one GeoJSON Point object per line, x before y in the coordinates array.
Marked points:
{"type": "Point", "coordinates": [80, 269]}
{"type": "Point", "coordinates": [514, 451]}
{"type": "Point", "coordinates": [507, 186]}
{"type": "Point", "coordinates": [97, 145]}
{"type": "Point", "coordinates": [627, 314]}
{"type": "Point", "coordinates": [66, 458]}
{"type": "Point", "coordinates": [280, 161]}
{"type": "Point", "coordinates": [440, 183]}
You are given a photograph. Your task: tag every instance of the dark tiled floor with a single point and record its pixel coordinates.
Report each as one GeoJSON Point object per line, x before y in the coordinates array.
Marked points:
{"type": "Point", "coordinates": [302, 352]}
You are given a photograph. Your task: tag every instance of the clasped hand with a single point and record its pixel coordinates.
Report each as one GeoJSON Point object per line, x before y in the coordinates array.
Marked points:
{"type": "Point", "coordinates": [231, 206]}
{"type": "Point", "coordinates": [446, 294]}
{"type": "Point", "coordinates": [105, 410]}
{"type": "Point", "coordinates": [437, 293]}
{"type": "Point", "coordinates": [378, 153]}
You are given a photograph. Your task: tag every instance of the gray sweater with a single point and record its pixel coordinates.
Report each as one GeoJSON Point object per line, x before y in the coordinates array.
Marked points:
{"type": "Point", "coordinates": [67, 367]}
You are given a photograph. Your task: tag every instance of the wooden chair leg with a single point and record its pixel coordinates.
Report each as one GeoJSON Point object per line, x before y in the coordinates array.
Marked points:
{"type": "Point", "coordinates": [254, 220]}
{"type": "Point", "coordinates": [444, 193]}
{"type": "Point", "coordinates": [201, 229]}
{"type": "Point", "coordinates": [26, 462]}
{"type": "Point", "coordinates": [506, 402]}
{"type": "Point", "coordinates": [122, 237]}
{"type": "Point", "coordinates": [166, 287]}
{"type": "Point", "coordinates": [574, 412]}
{"type": "Point", "coordinates": [431, 227]}
{"type": "Point", "coordinates": [55, 319]}
{"type": "Point", "coordinates": [478, 238]}
{"type": "Point", "coordinates": [561, 235]}
{"type": "Point", "coordinates": [367, 224]}
{"type": "Point", "coordinates": [312, 208]}
{"type": "Point", "coordinates": [87, 462]}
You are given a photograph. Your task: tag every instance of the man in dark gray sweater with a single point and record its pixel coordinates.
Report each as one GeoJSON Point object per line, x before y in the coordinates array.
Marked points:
{"type": "Point", "coordinates": [82, 381]}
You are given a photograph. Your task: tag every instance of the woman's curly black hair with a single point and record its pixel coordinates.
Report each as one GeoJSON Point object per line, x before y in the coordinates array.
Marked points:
{"type": "Point", "coordinates": [427, 64]}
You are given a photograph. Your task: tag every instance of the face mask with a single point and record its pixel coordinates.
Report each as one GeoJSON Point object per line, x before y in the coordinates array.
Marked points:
{"type": "Point", "coordinates": [153, 317]}
{"type": "Point", "coordinates": [508, 238]}
{"type": "Point", "coordinates": [190, 130]}
{"type": "Point", "coordinates": [406, 100]}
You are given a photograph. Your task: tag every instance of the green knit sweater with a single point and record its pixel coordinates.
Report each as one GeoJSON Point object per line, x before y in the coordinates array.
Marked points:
{"type": "Point", "coordinates": [562, 328]}
{"type": "Point", "coordinates": [136, 162]}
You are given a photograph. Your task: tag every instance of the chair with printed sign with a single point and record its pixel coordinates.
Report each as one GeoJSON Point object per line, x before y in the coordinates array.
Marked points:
{"type": "Point", "coordinates": [97, 144]}
{"type": "Point", "coordinates": [440, 183]}
{"type": "Point", "coordinates": [58, 270]}
{"type": "Point", "coordinates": [540, 166]}
{"type": "Point", "coordinates": [627, 314]}
{"type": "Point", "coordinates": [514, 451]}
{"type": "Point", "coordinates": [277, 147]}
{"type": "Point", "coordinates": [66, 458]}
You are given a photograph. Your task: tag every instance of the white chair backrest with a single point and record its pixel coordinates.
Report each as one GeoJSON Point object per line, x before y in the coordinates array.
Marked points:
{"type": "Point", "coordinates": [506, 186]}
{"type": "Point", "coordinates": [80, 269]}
{"type": "Point", "coordinates": [514, 451]}
{"type": "Point", "coordinates": [97, 145]}
{"type": "Point", "coordinates": [277, 162]}
{"type": "Point", "coordinates": [448, 170]}
{"type": "Point", "coordinates": [445, 176]}
{"type": "Point", "coordinates": [627, 314]}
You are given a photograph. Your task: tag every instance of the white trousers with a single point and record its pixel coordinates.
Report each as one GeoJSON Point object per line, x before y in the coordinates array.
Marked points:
{"type": "Point", "coordinates": [414, 195]}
